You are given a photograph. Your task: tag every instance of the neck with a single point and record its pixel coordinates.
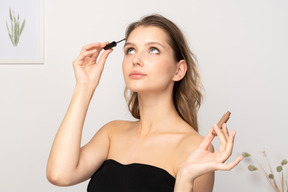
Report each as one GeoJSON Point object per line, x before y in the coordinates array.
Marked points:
{"type": "Point", "coordinates": [157, 112]}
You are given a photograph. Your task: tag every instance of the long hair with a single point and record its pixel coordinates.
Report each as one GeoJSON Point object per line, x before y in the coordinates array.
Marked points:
{"type": "Point", "coordinates": [187, 94]}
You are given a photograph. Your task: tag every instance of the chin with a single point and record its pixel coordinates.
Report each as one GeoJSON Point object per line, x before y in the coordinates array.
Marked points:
{"type": "Point", "coordinates": [137, 89]}
{"type": "Point", "coordinates": [145, 87]}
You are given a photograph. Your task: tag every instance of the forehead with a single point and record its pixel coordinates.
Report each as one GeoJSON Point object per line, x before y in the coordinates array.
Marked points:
{"type": "Point", "coordinates": [148, 33]}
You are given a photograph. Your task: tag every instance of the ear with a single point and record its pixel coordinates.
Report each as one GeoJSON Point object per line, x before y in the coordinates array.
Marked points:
{"type": "Point", "coordinates": [180, 70]}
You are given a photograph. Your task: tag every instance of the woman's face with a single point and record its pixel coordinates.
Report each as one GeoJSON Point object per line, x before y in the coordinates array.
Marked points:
{"type": "Point", "coordinates": [148, 64]}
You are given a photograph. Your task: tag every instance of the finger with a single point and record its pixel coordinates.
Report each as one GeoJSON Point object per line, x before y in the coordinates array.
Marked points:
{"type": "Point", "coordinates": [99, 49]}
{"type": "Point", "coordinates": [220, 127]}
{"type": "Point", "coordinates": [103, 57]}
{"type": "Point", "coordinates": [221, 137]}
{"type": "Point", "coordinates": [229, 166]}
{"type": "Point", "coordinates": [104, 44]}
{"type": "Point", "coordinates": [90, 46]}
{"type": "Point", "coordinates": [207, 140]}
{"type": "Point", "coordinates": [229, 147]}
{"type": "Point", "coordinates": [86, 54]}
{"type": "Point", "coordinates": [225, 130]}
{"type": "Point", "coordinates": [95, 56]}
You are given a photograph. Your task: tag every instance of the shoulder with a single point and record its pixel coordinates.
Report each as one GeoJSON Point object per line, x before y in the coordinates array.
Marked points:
{"type": "Point", "coordinates": [118, 123]}
{"type": "Point", "coordinates": [110, 129]}
{"type": "Point", "coordinates": [189, 142]}
{"type": "Point", "coordinates": [117, 126]}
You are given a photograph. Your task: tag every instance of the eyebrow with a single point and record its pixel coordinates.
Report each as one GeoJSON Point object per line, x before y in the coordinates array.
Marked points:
{"type": "Point", "coordinates": [149, 43]}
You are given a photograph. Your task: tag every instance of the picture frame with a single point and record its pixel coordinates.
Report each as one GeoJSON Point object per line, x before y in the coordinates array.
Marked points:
{"type": "Point", "coordinates": [22, 32]}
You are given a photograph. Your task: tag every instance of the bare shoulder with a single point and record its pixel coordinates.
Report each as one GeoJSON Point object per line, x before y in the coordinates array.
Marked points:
{"type": "Point", "coordinates": [118, 123]}
{"type": "Point", "coordinates": [192, 140]}
{"type": "Point", "coordinates": [189, 142]}
{"type": "Point", "coordinates": [109, 129]}
{"type": "Point", "coordinates": [118, 126]}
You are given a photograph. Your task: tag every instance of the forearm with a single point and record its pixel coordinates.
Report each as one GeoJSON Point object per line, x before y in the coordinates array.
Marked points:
{"type": "Point", "coordinates": [65, 151]}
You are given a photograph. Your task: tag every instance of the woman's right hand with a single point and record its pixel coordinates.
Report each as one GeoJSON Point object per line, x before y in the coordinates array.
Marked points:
{"type": "Point", "coordinates": [86, 67]}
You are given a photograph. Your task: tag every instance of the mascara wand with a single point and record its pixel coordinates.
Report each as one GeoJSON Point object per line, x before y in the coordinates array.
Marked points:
{"type": "Point", "coordinates": [112, 44]}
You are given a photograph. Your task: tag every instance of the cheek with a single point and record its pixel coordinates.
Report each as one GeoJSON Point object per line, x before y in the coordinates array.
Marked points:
{"type": "Point", "coordinates": [124, 65]}
{"type": "Point", "coordinates": [165, 68]}
{"type": "Point", "coordinates": [125, 69]}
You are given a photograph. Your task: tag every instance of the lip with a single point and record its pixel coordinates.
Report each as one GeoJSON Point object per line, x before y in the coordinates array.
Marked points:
{"type": "Point", "coordinates": [136, 75]}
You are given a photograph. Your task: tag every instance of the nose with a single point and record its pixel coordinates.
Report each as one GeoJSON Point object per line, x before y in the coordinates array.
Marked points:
{"type": "Point", "coordinates": [137, 59]}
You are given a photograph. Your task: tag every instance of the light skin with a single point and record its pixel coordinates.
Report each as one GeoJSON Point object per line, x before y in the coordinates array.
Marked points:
{"type": "Point", "coordinates": [160, 138]}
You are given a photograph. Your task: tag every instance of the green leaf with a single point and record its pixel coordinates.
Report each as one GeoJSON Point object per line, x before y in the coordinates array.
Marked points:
{"type": "Point", "coordinates": [271, 176]}
{"type": "Point", "coordinates": [279, 169]}
{"type": "Point", "coordinates": [14, 19]}
{"type": "Point", "coordinates": [7, 27]}
{"type": "Point", "coordinates": [252, 168]}
{"type": "Point", "coordinates": [15, 33]}
{"type": "Point", "coordinates": [11, 38]}
{"type": "Point", "coordinates": [245, 154]}
{"type": "Point", "coordinates": [10, 13]}
{"type": "Point", "coordinates": [12, 28]}
{"type": "Point", "coordinates": [22, 26]}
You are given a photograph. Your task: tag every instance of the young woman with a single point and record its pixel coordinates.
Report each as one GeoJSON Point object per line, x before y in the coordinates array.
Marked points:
{"type": "Point", "coordinates": [162, 150]}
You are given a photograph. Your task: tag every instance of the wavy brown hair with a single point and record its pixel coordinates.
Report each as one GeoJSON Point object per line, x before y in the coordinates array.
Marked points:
{"type": "Point", "coordinates": [187, 94]}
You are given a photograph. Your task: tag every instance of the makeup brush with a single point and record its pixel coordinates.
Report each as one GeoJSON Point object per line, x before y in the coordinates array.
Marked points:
{"type": "Point", "coordinates": [112, 44]}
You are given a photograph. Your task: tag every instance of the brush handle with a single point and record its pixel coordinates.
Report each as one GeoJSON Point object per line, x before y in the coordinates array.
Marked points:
{"type": "Point", "coordinates": [223, 120]}
{"type": "Point", "coordinates": [110, 45]}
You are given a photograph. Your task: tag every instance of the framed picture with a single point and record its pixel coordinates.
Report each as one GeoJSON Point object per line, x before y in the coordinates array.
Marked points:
{"type": "Point", "coordinates": [21, 31]}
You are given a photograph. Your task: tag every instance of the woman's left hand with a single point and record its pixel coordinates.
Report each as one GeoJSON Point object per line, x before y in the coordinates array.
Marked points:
{"type": "Point", "coordinates": [203, 160]}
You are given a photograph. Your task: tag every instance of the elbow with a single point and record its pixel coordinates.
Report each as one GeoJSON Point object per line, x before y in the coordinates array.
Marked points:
{"type": "Point", "coordinates": [57, 179]}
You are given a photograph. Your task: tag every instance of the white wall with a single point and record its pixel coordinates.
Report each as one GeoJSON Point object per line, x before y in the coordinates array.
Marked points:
{"type": "Point", "coordinates": [242, 51]}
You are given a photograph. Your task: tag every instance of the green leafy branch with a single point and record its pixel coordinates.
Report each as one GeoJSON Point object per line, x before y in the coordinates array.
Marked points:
{"type": "Point", "coordinates": [16, 28]}
{"type": "Point", "coordinates": [270, 176]}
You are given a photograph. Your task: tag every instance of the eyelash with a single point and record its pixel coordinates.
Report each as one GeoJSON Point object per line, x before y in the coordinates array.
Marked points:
{"type": "Point", "coordinates": [127, 50]}
{"type": "Point", "coordinates": [150, 49]}
{"type": "Point", "coordinates": [154, 48]}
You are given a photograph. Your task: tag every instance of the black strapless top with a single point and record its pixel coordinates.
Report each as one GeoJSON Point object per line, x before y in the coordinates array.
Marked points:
{"type": "Point", "coordinates": [113, 176]}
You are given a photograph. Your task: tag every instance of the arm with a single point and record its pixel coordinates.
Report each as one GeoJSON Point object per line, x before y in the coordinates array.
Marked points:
{"type": "Point", "coordinates": [196, 174]}
{"type": "Point", "coordinates": [69, 164]}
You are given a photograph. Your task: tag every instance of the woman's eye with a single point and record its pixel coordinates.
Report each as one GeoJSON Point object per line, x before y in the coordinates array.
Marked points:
{"type": "Point", "coordinates": [154, 50]}
{"type": "Point", "coordinates": [130, 51]}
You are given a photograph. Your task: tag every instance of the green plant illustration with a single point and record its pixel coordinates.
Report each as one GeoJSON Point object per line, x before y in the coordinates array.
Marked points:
{"type": "Point", "coordinates": [16, 28]}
